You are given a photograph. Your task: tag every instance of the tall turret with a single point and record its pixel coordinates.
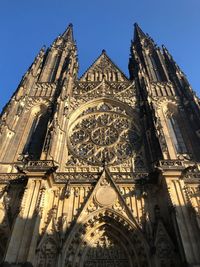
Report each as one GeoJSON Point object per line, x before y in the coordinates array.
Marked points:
{"type": "Point", "coordinates": [24, 120]}
{"type": "Point", "coordinates": [167, 100]}
{"type": "Point", "coordinates": [163, 86]}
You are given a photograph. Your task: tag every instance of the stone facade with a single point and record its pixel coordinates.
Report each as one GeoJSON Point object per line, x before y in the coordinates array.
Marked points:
{"type": "Point", "coordinates": [101, 170]}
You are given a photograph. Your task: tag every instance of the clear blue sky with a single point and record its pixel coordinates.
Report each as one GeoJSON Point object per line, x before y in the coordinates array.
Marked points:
{"type": "Point", "coordinates": [26, 25]}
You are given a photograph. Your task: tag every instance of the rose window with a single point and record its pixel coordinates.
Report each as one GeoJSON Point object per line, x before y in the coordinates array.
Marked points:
{"type": "Point", "coordinates": [103, 137]}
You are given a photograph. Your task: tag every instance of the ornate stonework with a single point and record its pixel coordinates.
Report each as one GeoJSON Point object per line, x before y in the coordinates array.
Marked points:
{"type": "Point", "coordinates": [104, 134]}
{"type": "Point", "coordinates": [102, 170]}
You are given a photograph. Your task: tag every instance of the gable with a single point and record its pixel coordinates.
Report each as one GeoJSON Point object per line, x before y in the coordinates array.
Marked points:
{"type": "Point", "coordinates": [103, 68]}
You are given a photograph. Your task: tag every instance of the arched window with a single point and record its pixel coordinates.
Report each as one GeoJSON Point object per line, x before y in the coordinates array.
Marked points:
{"type": "Point", "coordinates": [176, 131]}
{"type": "Point", "coordinates": [156, 68]}
{"type": "Point", "coordinates": [54, 68]}
{"type": "Point", "coordinates": [36, 136]}
{"type": "Point", "coordinates": [177, 136]}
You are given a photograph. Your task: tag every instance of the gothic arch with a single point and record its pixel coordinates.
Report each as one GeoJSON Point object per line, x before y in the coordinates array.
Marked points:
{"type": "Point", "coordinates": [106, 236]}
{"type": "Point", "coordinates": [35, 130]}
{"type": "Point", "coordinates": [97, 101]}
{"type": "Point", "coordinates": [47, 253]}
{"type": "Point", "coordinates": [177, 127]}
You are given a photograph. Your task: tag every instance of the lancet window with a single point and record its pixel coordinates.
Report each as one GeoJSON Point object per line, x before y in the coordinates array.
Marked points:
{"type": "Point", "coordinates": [176, 131]}
{"type": "Point", "coordinates": [36, 135]}
{"type": "Point", "coordinates": [156, 69]}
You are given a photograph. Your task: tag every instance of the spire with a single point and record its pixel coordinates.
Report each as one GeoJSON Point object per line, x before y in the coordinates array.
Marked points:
{"type": "Point", "coordinates": [68, 34]}
{"type": "Point", "coordinates": [138, 33]}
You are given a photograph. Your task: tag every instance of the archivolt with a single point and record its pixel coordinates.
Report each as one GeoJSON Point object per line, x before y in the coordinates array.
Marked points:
{"type": "Point", "coordinates": [112, 236]}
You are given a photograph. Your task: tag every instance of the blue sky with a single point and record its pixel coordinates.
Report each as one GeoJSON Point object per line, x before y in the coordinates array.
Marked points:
{"type": "Point", "coordinates": [26, 25]}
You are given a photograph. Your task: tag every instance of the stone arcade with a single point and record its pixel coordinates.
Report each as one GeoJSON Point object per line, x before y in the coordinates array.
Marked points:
{"type": "Point", "coordinates": [102, 170]}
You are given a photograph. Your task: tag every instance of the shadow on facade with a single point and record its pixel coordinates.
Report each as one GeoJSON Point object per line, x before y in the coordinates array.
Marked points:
{"type": "Point", "coordinates": [104, 238]}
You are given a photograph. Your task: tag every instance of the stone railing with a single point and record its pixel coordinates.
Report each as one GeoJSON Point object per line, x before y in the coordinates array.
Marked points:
{"type": "Point", "coordinates": [171, 164]}
{"type": "Point", "coordinates": [39, 165]}
{"type": "Point", "coordinates": [189, 170]}
{"type": "Point", "coordinates": [7, 177]}
{"type": "Point", "coordinates": [91, 177]}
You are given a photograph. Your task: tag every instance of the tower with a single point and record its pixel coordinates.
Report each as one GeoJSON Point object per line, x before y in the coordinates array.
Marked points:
{"type": "Point", "coordinates": [103, 169]}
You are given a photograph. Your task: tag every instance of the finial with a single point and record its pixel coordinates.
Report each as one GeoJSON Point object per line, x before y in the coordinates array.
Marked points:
{"type": "Point", "coordinates": [68, 34]}
{"type": "Point", "coordinates": [103, 51]}
{"type": "Point", "coordinates": [138, 34]}
{"type": "Point", "coordinates": [43, 48]}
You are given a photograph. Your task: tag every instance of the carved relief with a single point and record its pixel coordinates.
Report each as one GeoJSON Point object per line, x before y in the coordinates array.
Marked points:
{"type": "Point", "coordinates": [106, 238]}
{"type": "Point", "coordinates": [105, 196]}
{"type": "Point", "coordinates": [106, 251]}
{"type": "Point", "coordinates": [122, 91]}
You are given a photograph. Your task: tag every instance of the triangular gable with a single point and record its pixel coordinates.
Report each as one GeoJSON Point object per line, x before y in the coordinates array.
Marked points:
{"type": "Point", "coordinates": [103, 67]}
{"type": "Point", "coordinates": [163, 243]}
{"type": "Point", "coordinates": [106, 195]}
{"type": "Point", "coordinates": [105, 216]}
{"type": "Point", "coordinates": [50, 231]}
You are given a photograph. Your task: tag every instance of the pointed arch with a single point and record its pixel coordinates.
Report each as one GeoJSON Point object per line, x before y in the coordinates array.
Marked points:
{"type": "Point", "coordinates": [47, 253]}
{"type": "Point", "coordinates": [36, 131]}
{"type": "Point", "coordinates": [175, 129]}
{"type": "Point", "coordinates": [106, 236]}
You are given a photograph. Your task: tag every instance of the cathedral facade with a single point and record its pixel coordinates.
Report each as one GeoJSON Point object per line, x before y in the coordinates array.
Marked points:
{"type": "Point", "coordinates": [101, 170]}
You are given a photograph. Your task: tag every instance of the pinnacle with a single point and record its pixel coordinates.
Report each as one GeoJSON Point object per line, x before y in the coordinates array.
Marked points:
{"type": "Point", "coordinates": [68, 34]}
{"type": "Point", "coordinates": [138, 34]}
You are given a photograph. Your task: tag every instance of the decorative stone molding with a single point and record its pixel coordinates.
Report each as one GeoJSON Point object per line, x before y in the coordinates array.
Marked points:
{"type": "Point", "coordinates": [79, 176]}
{"type": "Point", "coordinates": [39, 165]}
{"type": "Point", "coordinates": [171, 164]}
{"type": "Point", "coordinates": [8, 177]}
{"type": "Point", "coordinates": [121, 91]}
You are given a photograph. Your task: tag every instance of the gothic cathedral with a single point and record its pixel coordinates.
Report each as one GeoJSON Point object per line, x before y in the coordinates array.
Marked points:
{"type": "Point", "coordinates": [101, 170]}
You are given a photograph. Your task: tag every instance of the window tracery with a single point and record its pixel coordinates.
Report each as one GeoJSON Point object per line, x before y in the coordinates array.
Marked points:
{"type": "Point", "coordinates": [176, 135]}
{"type": "Point", "coordinates": [104, 135]}
{"type": "Point", "coordinates": [173, 122]}
{"type": "Point", "coordinates": [106, 250]}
